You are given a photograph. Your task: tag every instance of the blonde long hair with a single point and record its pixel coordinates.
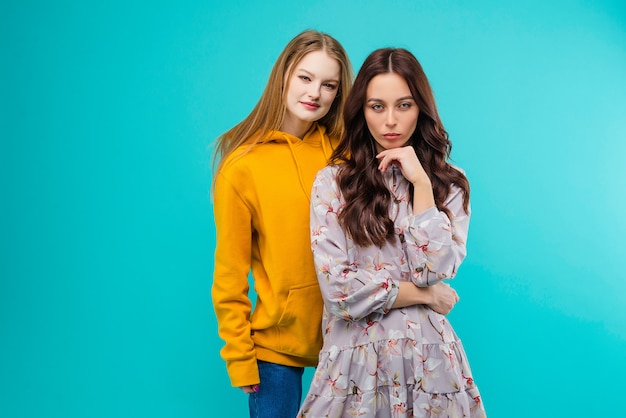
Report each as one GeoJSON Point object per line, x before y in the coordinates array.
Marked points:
{"type": "Point", "coordinates": [269, 112]}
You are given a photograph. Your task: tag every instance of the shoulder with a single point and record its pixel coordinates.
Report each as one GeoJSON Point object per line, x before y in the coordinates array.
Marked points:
{"type": "Point", "coordinates": [235, 161]}
{"type": "Point", "coordinates": [241, 165]}
{"type": "Point", "coordinates": [245, 154]}
{"type": "Point", "coordinates": [325, 186]}
{"type": "Point", "coordinates": [327, 174]}
{"type": "Point", "coordinates": [457, 194]}
{"type": "Point", "coordinates": [326, 178]}
{"type": "Point", "coordinates": [457, 168]}
{"type": "Point", "coordinates": [460, 175]}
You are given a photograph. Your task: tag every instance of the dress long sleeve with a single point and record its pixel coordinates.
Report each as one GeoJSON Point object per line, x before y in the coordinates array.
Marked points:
{"type": "Point", "coordinates": [353, 289]}
{"type": "Point", "coordinates": [435, 244]}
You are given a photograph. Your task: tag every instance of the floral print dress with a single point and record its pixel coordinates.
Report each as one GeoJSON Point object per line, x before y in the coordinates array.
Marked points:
{"type": "Point", "coordinates": [377, 361]}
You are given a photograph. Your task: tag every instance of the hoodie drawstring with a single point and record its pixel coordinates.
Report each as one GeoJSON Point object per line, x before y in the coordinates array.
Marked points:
{"type": "Point", "coordinates": [326, 156]}
{"type": "Point", "coordinates": [307, 193]}
{"type": "Point", "coordinates": [295, 160]}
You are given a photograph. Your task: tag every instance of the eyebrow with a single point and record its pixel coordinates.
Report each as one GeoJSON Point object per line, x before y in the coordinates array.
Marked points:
{"type": "Point", "coordinates": [373, 99]}
{"type": "Point", "coordinates": [311, 74]}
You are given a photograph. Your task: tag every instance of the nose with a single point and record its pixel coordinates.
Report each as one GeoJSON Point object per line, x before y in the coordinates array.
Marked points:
{"type": "Point", "coordinates": [314, 90]}
{"type": "Point", "coordinates": [390, 119]}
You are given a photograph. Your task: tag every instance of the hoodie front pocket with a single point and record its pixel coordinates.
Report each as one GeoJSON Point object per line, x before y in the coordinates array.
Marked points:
{"type": "Point", "coordinates": [299, 327]}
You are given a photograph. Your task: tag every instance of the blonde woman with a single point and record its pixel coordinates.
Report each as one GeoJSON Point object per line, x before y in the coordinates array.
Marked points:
{"type": "Point", "coordinates": [261, 202]}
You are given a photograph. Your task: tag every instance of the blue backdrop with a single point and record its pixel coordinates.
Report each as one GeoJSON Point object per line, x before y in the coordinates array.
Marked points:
{"type": "Point", "coordinates": [108, 112]}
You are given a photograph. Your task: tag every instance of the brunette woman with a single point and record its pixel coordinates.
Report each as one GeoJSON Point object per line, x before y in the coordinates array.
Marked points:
{"type": "Point", "coordinates": [389, 223]}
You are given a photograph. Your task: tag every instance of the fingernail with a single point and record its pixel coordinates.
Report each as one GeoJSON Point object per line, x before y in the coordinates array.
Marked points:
{"type": "Point", "coordinates": [255, 388]}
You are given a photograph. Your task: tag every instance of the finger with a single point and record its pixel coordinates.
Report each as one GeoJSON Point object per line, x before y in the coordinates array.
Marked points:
{"type": "Point", "coordinates": [384, 163]}
{"type": "Point", "coordinates": [250, 389]}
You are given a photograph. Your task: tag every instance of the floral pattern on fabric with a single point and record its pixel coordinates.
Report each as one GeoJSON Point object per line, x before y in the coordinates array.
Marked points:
{"type": "Point", "coordinates": [377, 361]}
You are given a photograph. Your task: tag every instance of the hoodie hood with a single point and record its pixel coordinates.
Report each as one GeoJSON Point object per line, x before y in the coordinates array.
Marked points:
{"type": "Point", "coordinates": [315, 135]}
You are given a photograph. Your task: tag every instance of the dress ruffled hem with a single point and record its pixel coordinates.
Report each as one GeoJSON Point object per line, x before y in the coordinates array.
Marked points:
{"type": "Point", "coordinates": [393, 378]}
{"type": "Point", "coordinates": [395, 402]}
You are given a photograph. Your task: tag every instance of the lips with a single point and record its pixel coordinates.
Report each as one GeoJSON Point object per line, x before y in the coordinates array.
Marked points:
{"type": "Point", "coordinates": [310, 105]}
{"type": "Point", "coordinates": [391, 136]}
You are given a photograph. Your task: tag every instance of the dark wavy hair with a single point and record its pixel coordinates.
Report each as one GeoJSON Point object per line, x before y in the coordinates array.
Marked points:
{"type": "Point", "coordinates": [365, 215]}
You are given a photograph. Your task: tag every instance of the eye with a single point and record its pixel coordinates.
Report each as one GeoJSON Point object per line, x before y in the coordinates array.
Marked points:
{"type": "Point", "coordinates": [376, 107]}
{"type": "Point", "coordinates": [405, 105]}
{"type": "Point", "coordinates": [304, 78]}
{"type": "Point", "coordinates": [330, 86]}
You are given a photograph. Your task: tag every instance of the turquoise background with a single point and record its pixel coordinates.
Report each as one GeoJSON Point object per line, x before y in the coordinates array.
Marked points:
{"type": "Point", "coordinates": [108, 113]}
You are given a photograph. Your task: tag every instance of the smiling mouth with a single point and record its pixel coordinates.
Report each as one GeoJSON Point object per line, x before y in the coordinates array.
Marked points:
{"type": "Point", "coordinates": [310, 105]}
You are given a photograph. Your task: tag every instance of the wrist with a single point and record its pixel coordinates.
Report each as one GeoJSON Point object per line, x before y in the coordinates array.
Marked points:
{"type": "Point", "coordinates": [428, 295]}
{"type": "Point", "coordinates": [422, 184]}
{"type": "Point", "coordinates": [423, 295]}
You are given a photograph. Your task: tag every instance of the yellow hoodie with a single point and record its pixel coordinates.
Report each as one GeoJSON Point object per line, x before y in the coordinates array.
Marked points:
{"type": "Point", "coordinates": [261, 207]}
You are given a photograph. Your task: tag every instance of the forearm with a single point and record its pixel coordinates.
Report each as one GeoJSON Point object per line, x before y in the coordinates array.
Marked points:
{"type": "Point", "coordinates": [440, 297]}
{"type": "Point", "coordinates": [409, 294]}
{"type": "Point", "coordinates": [353, 294]}
{"type": "Point", "coordinates": [423, 197]}
{"type": "Point", "coordinates": [436, 242]}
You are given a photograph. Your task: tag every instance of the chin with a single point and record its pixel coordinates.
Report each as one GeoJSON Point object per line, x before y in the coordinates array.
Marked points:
{"type": "Point", "coordinates": [312, 118]}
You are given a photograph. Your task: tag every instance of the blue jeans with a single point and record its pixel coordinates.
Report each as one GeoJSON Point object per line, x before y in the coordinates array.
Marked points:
{"type": "Point", "coordinates": [280, 391]}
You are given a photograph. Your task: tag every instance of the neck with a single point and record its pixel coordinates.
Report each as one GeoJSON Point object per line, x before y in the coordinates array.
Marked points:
{"type": "Point", "coordinates": [296, 128]}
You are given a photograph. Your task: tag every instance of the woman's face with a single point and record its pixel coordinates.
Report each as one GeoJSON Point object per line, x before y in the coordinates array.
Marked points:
{"type": "Point", "coordinates": [311, 90]}
{"type": "Point", "coordinates": [390, 111]}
